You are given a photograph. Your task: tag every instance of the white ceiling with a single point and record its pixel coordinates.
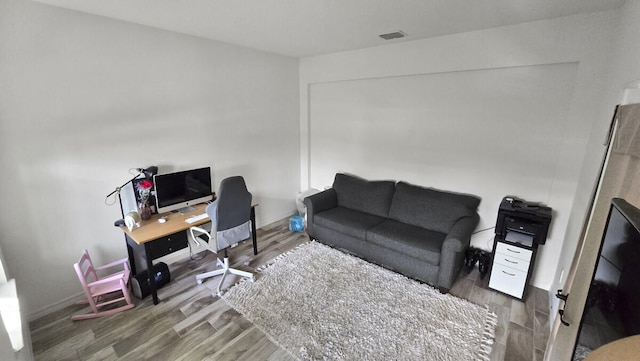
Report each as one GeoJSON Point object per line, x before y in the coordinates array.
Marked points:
{"type": "Point", "coordinates": [301, 28]}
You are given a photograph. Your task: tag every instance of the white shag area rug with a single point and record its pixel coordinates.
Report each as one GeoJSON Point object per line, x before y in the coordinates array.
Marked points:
{"type": "Point", "coordinates": [319, 303]}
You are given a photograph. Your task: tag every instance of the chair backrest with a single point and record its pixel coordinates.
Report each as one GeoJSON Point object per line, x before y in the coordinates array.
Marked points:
{"type": "Point", "coordinates": [234, 203]}
{"type": "Point", "coordinates": [231, 212]}
{"type": "Point", "coordinates": [85, 270]}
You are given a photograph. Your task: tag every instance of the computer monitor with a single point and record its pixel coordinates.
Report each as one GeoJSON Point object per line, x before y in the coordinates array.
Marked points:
{"type": "Point", "coordinates": [180, 190]}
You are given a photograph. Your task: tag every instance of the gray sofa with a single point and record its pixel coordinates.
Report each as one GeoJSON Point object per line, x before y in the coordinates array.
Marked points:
{"type": "Point", "coordinates": [420, 232]}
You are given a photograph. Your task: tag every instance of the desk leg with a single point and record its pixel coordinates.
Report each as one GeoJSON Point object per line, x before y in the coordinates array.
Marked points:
{"type": "Point", "coordinates": [151, 273]}
{"type": "Point", "coordinates": [132, 259]}
{"type": "Point", "coordinates": [253, 230]}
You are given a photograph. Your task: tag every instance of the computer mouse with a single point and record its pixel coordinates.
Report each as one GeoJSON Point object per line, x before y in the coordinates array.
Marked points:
{"type": "Point", "coordinates": [162, 220]}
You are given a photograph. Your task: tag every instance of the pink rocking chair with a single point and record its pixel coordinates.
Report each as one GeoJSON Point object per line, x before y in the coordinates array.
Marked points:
{"type": "Point", "coordinates": [103, 291]}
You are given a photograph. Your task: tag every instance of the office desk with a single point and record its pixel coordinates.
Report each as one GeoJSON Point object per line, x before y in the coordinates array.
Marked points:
{"type": "Point", "coordinates": [153, 239]}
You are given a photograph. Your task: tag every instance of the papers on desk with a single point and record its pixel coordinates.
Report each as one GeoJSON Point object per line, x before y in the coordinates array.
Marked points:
{"type": "Point", "coordinates": [197, 217]}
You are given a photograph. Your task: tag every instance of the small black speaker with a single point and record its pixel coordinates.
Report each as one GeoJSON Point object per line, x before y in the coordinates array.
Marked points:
{"type": "Point", "coordinates": [140, 282]}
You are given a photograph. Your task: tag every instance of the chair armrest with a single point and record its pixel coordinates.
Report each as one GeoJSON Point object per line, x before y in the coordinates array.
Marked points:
{"type": "Point", "coordinates": [460, 234]}
{"type": "Point", "coordinates": [200, 231]}
{"type": "Point", "coordinates": [319, 202]}
{"type": "Point", "coordinates": [111, 278]}
{"type": "Point", "coordinates": [122, 261]}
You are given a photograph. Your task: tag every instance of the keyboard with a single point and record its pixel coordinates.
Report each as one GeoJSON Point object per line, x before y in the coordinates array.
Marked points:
{"type": "Point", "coordinates": [197, 217]}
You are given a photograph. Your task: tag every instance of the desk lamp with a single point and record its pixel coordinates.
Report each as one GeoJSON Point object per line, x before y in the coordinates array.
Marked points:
{"type": "Point", "coordinates": [148, 174]}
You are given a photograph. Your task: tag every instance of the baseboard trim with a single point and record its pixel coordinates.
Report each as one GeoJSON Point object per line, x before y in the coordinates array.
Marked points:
{"type": "Point", "coordinates": [56, 306]}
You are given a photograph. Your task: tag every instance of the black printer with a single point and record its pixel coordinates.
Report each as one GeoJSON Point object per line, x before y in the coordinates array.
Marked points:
{"type": "Point", "coordinates": [523, 222]}
{"type": "Point", "coordinates": [520, 228]}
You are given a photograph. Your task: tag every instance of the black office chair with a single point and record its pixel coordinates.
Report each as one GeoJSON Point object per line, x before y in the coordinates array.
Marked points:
{"type": "Point", "coordinates": [230, 223]}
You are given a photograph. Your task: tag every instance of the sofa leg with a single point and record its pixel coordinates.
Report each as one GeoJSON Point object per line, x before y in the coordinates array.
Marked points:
{"type": "Point", "coordinates": [443, 290]}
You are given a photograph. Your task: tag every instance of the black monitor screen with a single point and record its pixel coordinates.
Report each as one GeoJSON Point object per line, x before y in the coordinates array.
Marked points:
{"type": "Point", "coordinates": [181, 189]}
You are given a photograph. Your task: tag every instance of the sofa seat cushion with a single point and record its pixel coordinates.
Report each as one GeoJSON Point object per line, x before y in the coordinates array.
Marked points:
{"type": "Point", "coordinates": [408, 240]}
{"type": "Point", "coordinates": [372, 197]}
{"type": "Point", "coordinates": [347, 221]}
{"type": "Point", "coordinates": [430, 208]}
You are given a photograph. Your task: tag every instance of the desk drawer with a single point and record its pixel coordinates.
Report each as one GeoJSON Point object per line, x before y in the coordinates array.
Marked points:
{"type": "Point", "coordinates": [511, 262]}
{"type": "Point", "coordinates": [169, 244]}
{"type": "Point", "coordinates": [508, 280]}
{"type": "Point", "coordinates": [514, 251]}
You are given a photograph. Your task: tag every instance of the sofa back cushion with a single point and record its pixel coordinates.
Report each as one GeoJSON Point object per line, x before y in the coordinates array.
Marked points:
{"type": "Point", "coordinates": [430, 208]}
{"type": "Point", "coordinates": [373, 197]}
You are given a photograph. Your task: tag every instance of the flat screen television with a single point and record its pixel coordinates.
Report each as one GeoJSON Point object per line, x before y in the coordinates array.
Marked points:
{"type": "Point", "coordinates": [612, 309]}
{"type": "Point", "coordinates": [180, 190]}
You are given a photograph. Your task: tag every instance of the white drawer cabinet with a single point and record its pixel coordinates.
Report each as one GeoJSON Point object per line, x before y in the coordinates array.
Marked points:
{"type": "Point", "coordinates": [510, 269]}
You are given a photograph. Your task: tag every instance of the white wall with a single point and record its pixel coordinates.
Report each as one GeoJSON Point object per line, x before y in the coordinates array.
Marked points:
{"type": "Point", "coordinates": [84, 99]}
{"type": "Point", "coordinates": [583, 40]}
{"type": "Point", "coordinates": [451, 127]}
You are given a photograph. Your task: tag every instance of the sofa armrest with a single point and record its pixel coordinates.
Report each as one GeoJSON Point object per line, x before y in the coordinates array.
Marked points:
{"type": "Point", "coordinates": [460, 234]}
{"type": "Point", "coordinates": [319, 202]}
{"type": "Point", "coordinates": [453, 250]}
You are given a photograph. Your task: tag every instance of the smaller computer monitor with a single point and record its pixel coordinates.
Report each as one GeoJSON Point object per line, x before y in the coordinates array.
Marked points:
{"type": "Point", "coordinates": [180, 190]}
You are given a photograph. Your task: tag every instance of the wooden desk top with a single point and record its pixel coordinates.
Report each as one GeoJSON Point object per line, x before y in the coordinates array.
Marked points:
{"type": "Point", "coordinates": [151, 229]}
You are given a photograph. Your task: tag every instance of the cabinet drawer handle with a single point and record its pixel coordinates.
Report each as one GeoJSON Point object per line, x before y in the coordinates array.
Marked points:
{"type": "Point", "coordinates": [510, 250]}
{"type": "Point", "coordinates": [512, 262]}
{"type": "Point", "coordinates": [509, 274]}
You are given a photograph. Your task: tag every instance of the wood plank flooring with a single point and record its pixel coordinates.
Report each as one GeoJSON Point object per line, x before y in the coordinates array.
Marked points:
{"type": "Point", "coordinates": [192, 323]}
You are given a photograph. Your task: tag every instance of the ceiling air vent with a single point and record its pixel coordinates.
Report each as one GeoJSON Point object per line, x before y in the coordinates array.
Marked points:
{"type": "Point", "coordinates": [395, 35]}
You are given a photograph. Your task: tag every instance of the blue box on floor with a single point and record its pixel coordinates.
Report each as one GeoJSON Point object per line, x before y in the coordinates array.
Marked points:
{"type": "Point", "coordinates": [296, 224]}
